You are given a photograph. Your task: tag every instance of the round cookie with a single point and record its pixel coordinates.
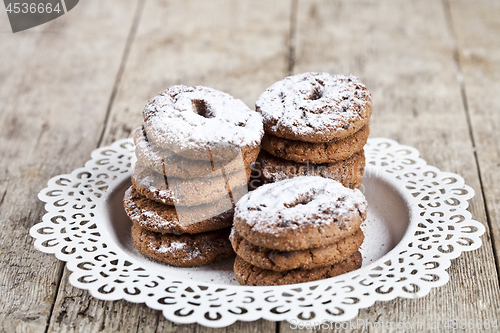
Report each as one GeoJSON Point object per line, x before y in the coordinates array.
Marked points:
{"type": "Point", "coordinates": [299, 213]}
{"type": "Point", "coordinates": [250, 275]}
{"type": "Point", "coordinates": [183, 250]}
{"type": "Point", "coordinates": [349, 172]}
{"type": "Point", "coordinates": [158, 217]}
{"type": "Point", "coordinates": [183, 192]}
{"type": "Point", "coordinates": [165, 161]}
{"type": "Point", "coordinates": [303, 259]}
{"type": "Point", "coordinates": [202, 123]}
{"type": "Point", "coordinates": [325, 152]}
{"type": "Point", "coordinates": [315, 107]}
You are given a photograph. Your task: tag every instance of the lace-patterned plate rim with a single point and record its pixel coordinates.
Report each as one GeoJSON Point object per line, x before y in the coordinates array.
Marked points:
{"type": "Point", "coordinates": [439, 229]}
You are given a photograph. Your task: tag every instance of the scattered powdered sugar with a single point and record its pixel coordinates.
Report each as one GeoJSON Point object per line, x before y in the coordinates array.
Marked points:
{"type": "Point", "coordinates": [184, 117]}
{"type": "Point", "coordinates": [151, 153]}
{"type": "Point", "coordinates": [313, 102]}
{"type": "Point", "coordinates": [298, 201]}
{"type": "Point", "coordinates": [147, 213]}
{"type": "Point", "coordinates": [141, 215]}
{"type": "Point", "coordinates": [175, 248]}
{"type": "Point", "coordinates": [172, 247]}
{"type": "Point", "coordinates": [195, 253]}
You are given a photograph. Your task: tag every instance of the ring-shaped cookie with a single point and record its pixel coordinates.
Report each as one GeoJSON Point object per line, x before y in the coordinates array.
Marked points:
{"type": "Point", "coordinates": [281, 261]}
{"type": "Point", "coordinates": [161, 218]}
{"type": "Point", "coordinates": [166, 162]}
{"type": "Point", "coordinates": [315, 107]}
{"type": "Point", "coordinates": [249, 275]}
{"type": "Point", "coordinates": [192, 192]}
{"type": "Point", "coordinates": [321, 152]}
{"type": "Point", "coordinates": [299, 213]}
{"type": "Point", "coordinates": [202, 123]}
{"type": "Point", "coordinates": [349, 172]}
{"type": "Point", "coordinates": [184, 250]}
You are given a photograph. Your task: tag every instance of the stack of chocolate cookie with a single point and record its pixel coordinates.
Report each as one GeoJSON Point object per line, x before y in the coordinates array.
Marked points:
{"type": "Point", "coordinates": [315, 124]}
{"type": "Point", "coordinates": [193, 154]}
{"type": "Point", "coordinates": [297, 230]}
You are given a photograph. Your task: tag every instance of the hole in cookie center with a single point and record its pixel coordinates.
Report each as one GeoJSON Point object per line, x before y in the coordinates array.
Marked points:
{"type": "Point", "coordinates": [316, 94]}
{"type": "Point", "coordinates": [202, 108]}
{"type": "Point", "coordinates": [302, 200]}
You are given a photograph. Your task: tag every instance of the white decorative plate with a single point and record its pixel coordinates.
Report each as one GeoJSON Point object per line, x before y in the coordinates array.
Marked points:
{"type": "Point", "coordinates": [417, 222]}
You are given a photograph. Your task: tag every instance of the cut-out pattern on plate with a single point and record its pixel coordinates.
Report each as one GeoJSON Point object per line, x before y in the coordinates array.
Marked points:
{"type": "Point", "coordinates": [440, 229]}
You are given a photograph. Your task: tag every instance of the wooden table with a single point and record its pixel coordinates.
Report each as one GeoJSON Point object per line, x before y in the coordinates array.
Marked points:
{"type": "Point", "coordinates": [80, 82]}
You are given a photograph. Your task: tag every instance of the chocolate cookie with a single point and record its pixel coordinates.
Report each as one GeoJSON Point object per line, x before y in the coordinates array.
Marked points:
{"type": "Point", "coordinates": [303, 259]}
{"type": "Point", "coordinates": [164, 161]}
{"type": "Point", "coordinates": [250, 275]}
{"type": "Point", "coordinates": [349, 172]}
{"type": "Point", "coordinates": [315, 107]}
{"type": "Point", "coordinates": [194, 192]}
{"type": "Point", "coordinates": [202, 123]}
{"type": "Point", "coordinates": [158, 217]}
{"type": "Point", "coordinates": [325, 152]}
{"type": "Point", "coordinates": [183, 250]}
{"type": "Point", "coordinates": [299, 213]}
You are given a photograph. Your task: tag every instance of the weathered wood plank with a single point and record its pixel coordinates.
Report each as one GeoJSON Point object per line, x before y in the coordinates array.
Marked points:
{"type": "Point", "coordinates": [76, 310]}
{"type": "Point", "coordinates": [237, 47]}
{"type": "Point", "coordinates": [56, 82]}
{"type": "Point", "coordinates": [403, 51]}
{"type": "Point", "coordinates": [478, 42]}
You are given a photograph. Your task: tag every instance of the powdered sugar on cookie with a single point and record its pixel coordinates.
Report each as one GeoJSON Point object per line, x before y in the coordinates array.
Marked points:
{"type": "Point", "coordinates": [174, 248]}
{"type": "Point", "coordinates": [182, 118]}
{"type": "Point", "coordinates": [298, 202]}
{"type": "Point", "coordinates": [315, 107]}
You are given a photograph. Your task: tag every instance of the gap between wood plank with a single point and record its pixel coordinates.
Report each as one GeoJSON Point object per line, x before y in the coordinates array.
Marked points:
{"type": "Point", "coordinates": [53, 304]}
{"type": "Point", "coordinates": [463, 93]}
{"type": "Point", "coordinates": [157, 320]}
{"type": "Point", "coordinates": [123, 62]}
{"type": "Point", "coordinates": [130, 38]}
{"type": "Point", "coordinates": [293, 31]}
{"type": "Point", "coordinates": [3, 197]}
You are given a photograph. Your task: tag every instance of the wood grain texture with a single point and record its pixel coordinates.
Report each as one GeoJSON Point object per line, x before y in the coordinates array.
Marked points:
{"type": "Point", "coordinates": [476, 26]}
{"type": "Point", "coordinates": [56, 81]}
{"type": "Point", "coordinates": [238, 47]}
{"type": "Point", "coordinates": [403, 51]}
{"type": "Point", "coordinates": [75, 310]}
{"type": "Point", "coordinates": [433, 68]}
